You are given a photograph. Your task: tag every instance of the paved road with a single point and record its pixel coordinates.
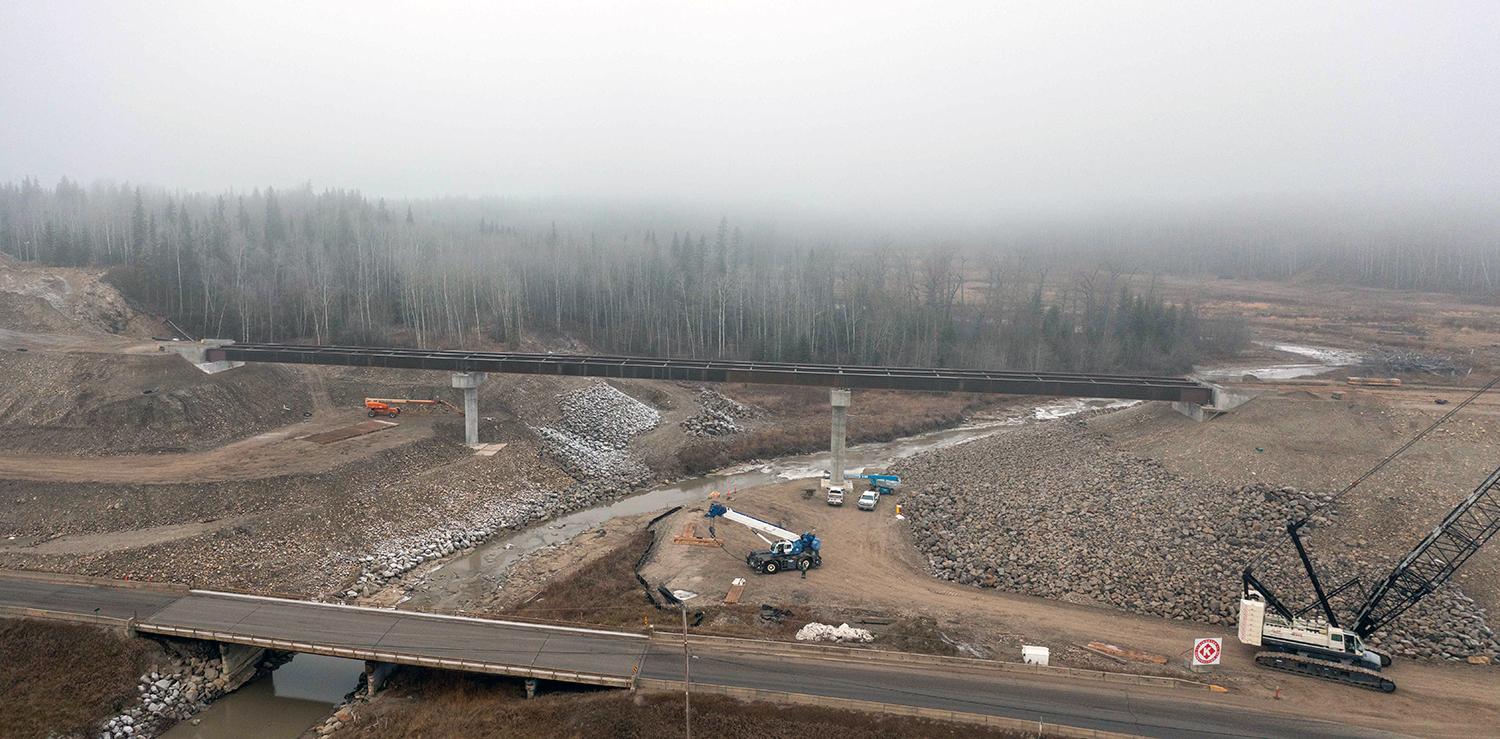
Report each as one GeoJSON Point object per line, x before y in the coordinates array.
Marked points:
{"type": "Point", "coordinates": [1088, 704]}
{"type": "Point", "coordinates": [513, 648]}
{"type": "Point", "coordinates": [119, 603]}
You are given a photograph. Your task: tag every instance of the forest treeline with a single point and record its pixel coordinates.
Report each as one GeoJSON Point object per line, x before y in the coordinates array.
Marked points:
{"type": "Point", "coordinates": [337, 267]}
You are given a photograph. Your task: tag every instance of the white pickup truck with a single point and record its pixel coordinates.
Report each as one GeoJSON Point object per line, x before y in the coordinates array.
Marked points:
{"type": "Point", "coordinates": [835, 496]}
{"type": "Point", "coordinates": [868, 499]}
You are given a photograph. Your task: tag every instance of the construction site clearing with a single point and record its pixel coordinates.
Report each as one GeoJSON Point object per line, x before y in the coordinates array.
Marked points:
{"type": "Point", "coordinates": [1111, 538]}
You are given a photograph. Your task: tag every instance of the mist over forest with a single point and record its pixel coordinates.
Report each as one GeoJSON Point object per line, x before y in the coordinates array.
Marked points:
{"type": "Point", "coordinates": [891, 183]}
{"type": "Point", "coordinates": [335, 266]}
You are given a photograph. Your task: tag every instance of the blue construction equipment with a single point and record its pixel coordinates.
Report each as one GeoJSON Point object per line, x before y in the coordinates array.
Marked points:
{"type": "Point", "coordinates": [883, 484]}
{"type": "Point", "coordinates": [789, 552]}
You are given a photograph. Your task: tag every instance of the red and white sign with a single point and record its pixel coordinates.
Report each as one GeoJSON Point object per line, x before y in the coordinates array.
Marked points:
{"type": "Point", "coordinates": [1206, 651]}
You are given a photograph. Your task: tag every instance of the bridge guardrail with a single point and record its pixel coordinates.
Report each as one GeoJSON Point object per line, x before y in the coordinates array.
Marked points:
{"type": "Point", "coordinates": [376, 655]}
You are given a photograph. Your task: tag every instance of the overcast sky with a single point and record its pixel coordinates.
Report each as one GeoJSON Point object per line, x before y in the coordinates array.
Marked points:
{"type": "Point", "coordinates": [931, 108]}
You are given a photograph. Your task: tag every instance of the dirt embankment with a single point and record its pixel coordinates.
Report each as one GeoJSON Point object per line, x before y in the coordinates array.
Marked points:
{"type": "Point", "coordinates": [41, 299]}
{"type": "Point", "coordinates": [65, 679]}
{"type": "Point", "coordinates": [301, 534]}
{"type": "Point", "coordinates": [1310, 441]}
{"type": "Point", "coordinates": [83, 404]}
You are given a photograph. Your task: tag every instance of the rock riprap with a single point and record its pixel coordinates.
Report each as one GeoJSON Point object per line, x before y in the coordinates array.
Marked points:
{"type": "Point", "coordinates": [597, 424]}
{"type": "Point", "coordinates": [1054, 510]}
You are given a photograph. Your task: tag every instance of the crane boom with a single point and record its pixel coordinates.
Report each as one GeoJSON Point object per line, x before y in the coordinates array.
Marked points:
{"type": "Point", "coordinates": [1462, 532]}
{"type": "Point", "coordinates": [719, 510]}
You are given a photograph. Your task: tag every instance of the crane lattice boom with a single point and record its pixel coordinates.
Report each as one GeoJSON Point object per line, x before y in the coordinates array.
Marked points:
{"type": "Point", "coordinates": [1462, 532]}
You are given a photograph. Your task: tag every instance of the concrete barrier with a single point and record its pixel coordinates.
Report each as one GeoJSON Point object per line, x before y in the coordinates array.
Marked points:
{"type": "Point", "coordinates": [893, 709]}
{"type": "Point", "coordinates": [874, 656]}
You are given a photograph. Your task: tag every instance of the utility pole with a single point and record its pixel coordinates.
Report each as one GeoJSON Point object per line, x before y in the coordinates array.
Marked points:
{"type": "Point", "coordinates": [687, 684]}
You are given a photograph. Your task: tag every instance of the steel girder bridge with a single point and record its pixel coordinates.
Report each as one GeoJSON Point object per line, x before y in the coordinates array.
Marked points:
{"type": "Point", "coordinates": [1124, 387]}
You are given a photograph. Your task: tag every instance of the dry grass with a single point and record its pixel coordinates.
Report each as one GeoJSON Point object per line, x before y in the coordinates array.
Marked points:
{"type": "Point", "coordinates": [422, 704]}
{"type": "Point", "coordinates": [63, 679]}
{"type": "Point", "coordinates": [600, 592]}
{"type": "Point", "coordinates": [802, 422]}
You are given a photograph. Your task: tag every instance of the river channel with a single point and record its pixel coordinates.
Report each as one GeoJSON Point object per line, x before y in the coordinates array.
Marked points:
{"type": "Point", "coordinates": [303, 691]}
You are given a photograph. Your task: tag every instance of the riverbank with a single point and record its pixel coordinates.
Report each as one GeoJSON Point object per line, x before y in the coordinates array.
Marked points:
{"type": "Point", "coordinates": [66, 679]}
{"type": "Point", "coordinates": [421, 704]}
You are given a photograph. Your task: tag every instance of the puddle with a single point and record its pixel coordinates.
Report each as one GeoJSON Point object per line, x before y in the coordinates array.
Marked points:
{"type": "Point", "coordinates": [285, 703]}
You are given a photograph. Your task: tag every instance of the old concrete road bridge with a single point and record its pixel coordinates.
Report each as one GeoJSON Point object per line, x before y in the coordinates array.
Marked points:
{"type": "Point", "coordinates": [376, 635]}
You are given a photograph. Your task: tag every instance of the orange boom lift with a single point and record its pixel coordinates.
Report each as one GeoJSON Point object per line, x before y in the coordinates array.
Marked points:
{"type": "Point", "coordinates": [391, 407]}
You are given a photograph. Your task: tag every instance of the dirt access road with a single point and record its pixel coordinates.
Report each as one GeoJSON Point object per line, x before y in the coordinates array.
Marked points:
{"type": "Point", "coordinates": [871, 567]}
{"type": "Point", "coordinates": [277, 453]}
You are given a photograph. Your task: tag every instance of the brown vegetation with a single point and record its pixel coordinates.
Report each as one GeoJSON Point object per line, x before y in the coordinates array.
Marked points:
{"type": "Point", "coordinates": [63, 679]}
{"type": "Point", "coordinates": [440, 704]}
{"type": "Point", "coordinates": [599, 592]}
{"type": "Point", "coordinates": [800, 422]}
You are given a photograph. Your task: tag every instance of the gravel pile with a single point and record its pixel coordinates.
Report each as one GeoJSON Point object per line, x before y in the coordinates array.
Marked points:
{"type": "Point", "coordinates": [1054, 510]}
{"type": "Point", "coordinates": [597, 424]}
{"type": "Point", "coordinates": [601, 413]}
{"type": "Point", "coordinates": [717, 415]}
{"type": "Point", "coordinates": [167, 697]}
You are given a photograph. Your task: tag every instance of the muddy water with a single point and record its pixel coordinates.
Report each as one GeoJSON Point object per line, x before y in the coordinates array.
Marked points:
{"type": "Point", "coordinates": [284, 703]}
{"type": "Point", "coordinates": [468, 579]}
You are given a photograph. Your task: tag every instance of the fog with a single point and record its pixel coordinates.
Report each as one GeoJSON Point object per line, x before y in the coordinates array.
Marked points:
{"type": "Point", "coordinates": [874, 110]}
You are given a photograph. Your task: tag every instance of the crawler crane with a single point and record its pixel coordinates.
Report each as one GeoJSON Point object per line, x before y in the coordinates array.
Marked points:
{"type": "Point", "coordinates": [1313, 640]}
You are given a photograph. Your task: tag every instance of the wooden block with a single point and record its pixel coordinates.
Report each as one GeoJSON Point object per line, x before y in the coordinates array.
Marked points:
{"type": "Point", "coordinates": [736, 589]}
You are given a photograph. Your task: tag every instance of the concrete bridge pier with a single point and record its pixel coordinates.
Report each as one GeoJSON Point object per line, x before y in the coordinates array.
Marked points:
{"type": "Point", "coordinates": [239, 663]}
{"type": "Point", "coordinates": [530, 688]}
{"type": "Point", "coordinates": [376, 673]}
{"type": "Point", "coordinates": [838, 398]}
{"type": "Point", "coordinates": [469, 383]}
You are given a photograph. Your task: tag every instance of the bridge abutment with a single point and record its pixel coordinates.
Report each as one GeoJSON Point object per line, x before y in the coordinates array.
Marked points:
{"type": "Point", "coordinates": [1224, 400]}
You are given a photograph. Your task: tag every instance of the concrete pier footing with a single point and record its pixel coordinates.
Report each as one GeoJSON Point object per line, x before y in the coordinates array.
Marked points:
{"type": "Point", "coordinates": [469, 383]}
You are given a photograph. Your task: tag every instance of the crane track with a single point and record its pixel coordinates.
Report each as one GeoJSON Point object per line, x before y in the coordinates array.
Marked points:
{"type": "Point", "coordinates": [1326, 669]}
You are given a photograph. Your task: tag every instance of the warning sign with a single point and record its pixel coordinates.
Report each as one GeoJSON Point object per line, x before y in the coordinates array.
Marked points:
{"type": "Point", "coordinates": [1206, 652]}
